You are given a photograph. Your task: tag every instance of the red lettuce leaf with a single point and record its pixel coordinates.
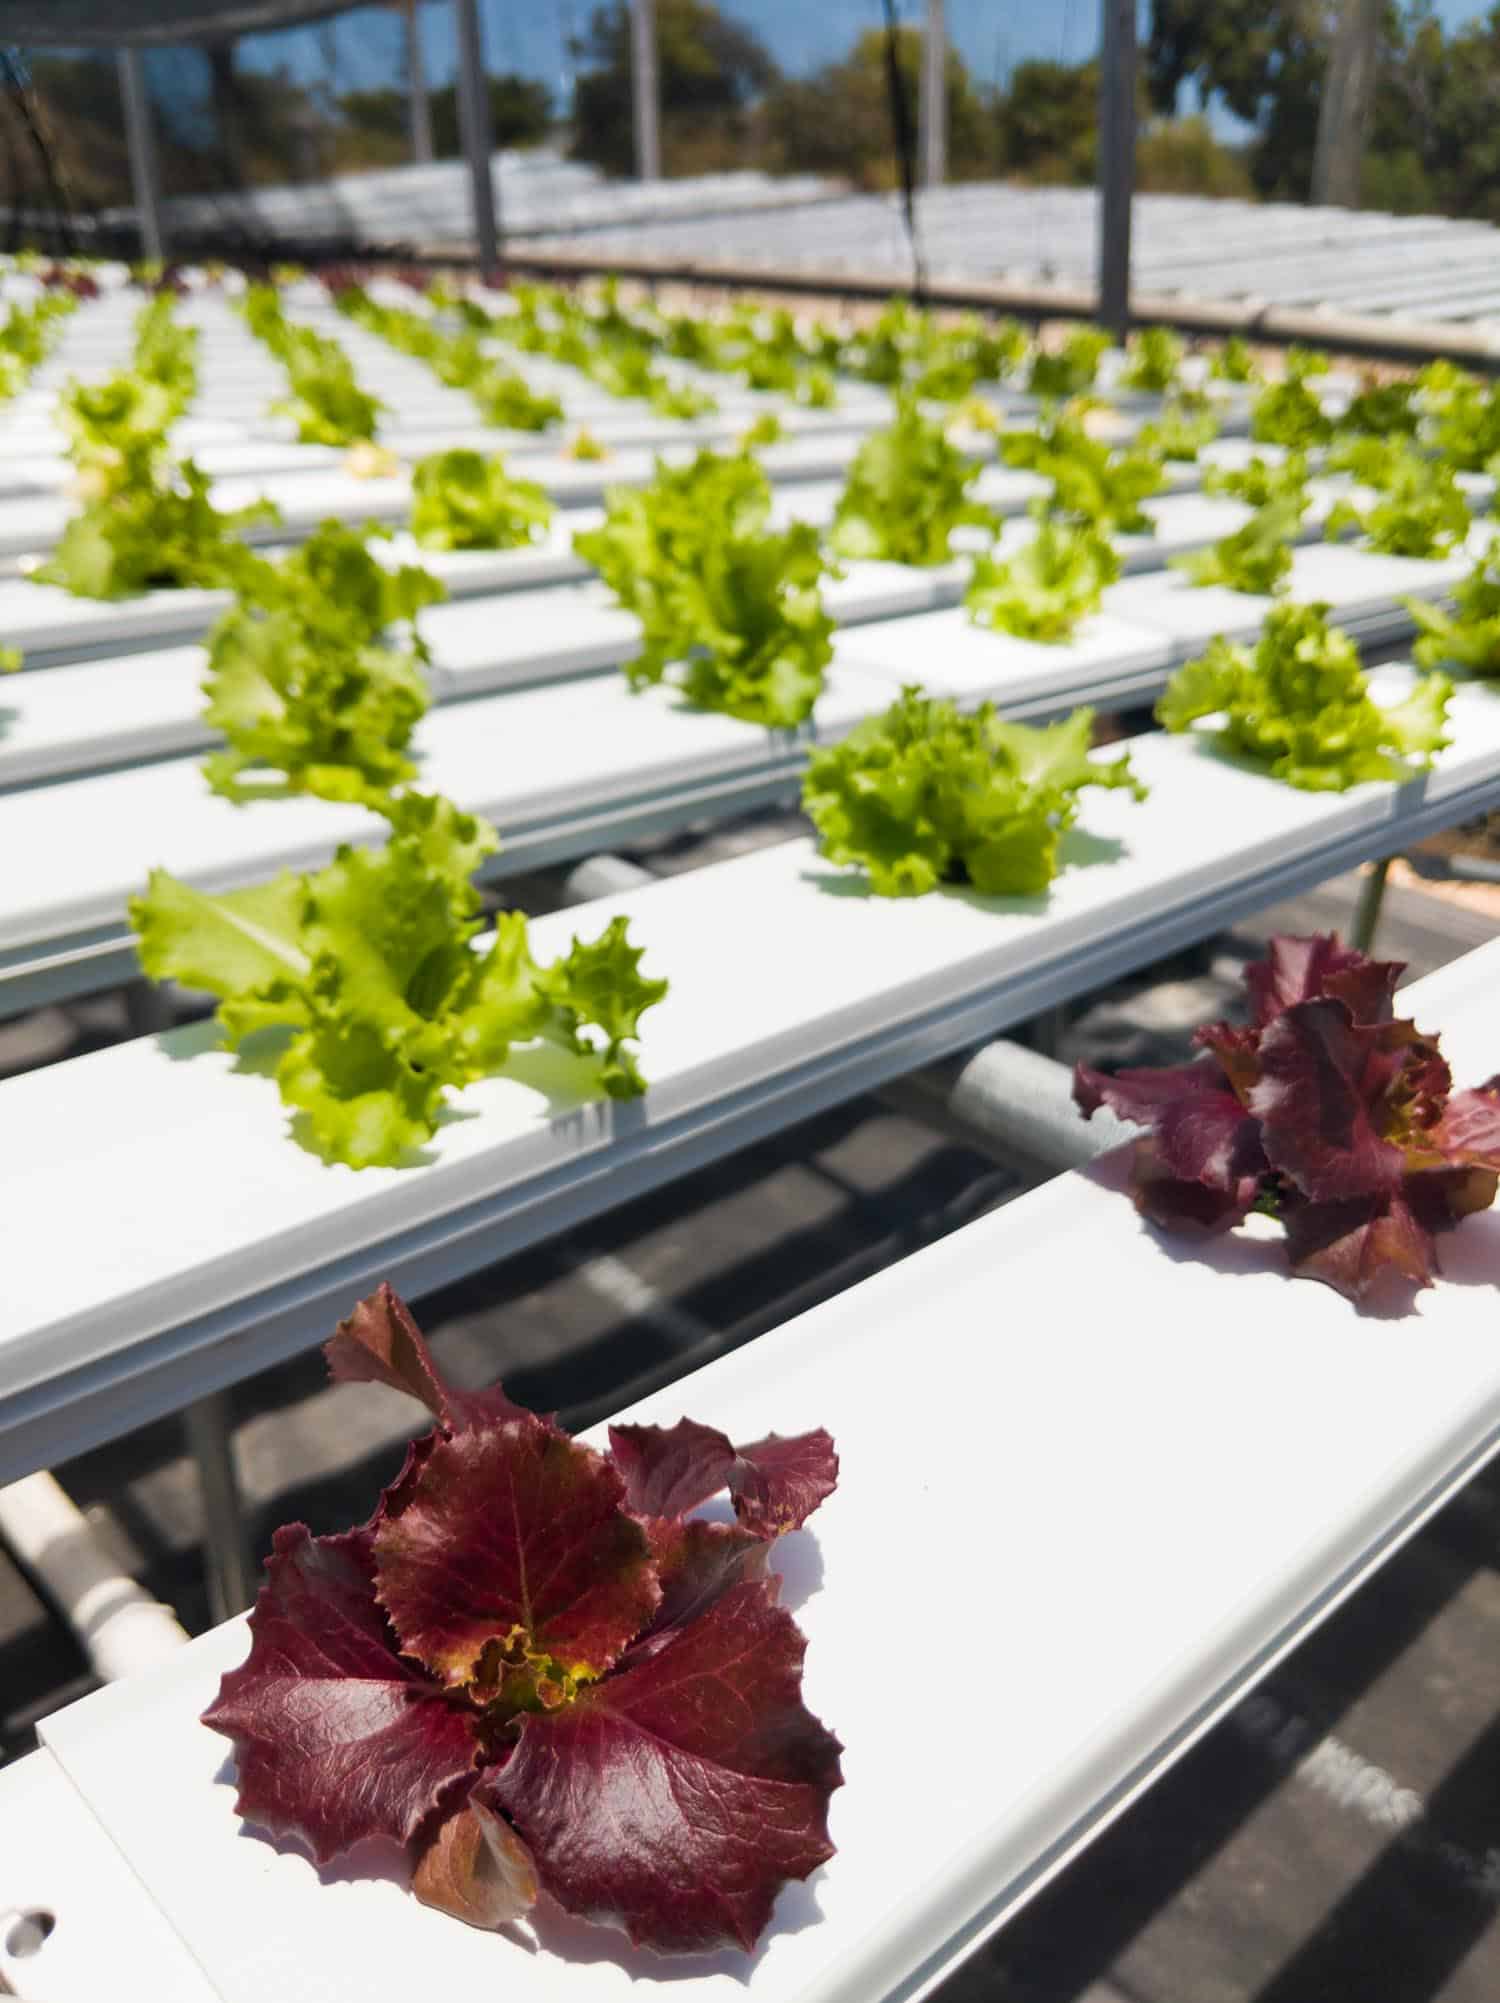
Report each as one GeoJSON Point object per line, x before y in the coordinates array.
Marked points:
{"type": "Point", "coordinates": [676, 1798]}
{"type": "Point", "coordinates": [1297, 970]}
{"type": "Point", "coordinates": [774, 1483]}
{"type": "Point", "coordinates": [668, 1470]}
{"type": "Point", "coordinates": [1360, 1244]}
{"type": "Point", "coordinates": [381, 1344]}
{"type": "Point", "coordinates": [1203, 1133]}
{"type": "Point", "coordinates": [1320, 1097]}
{"type": "Point", "coordinates": [336, 1738]}
{"type": "Point", "coordinates": [696, 1564]}
{"type": "Point", "coordinates": [476, 1868]}
{"type": "Point", "coordinates": [514, 1536]}
{"type": "Point", "coordinates": [1183, 1203]}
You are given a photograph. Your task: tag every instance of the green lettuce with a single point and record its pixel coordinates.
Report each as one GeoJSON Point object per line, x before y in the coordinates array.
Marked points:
{"type": "Point", "coordinates": [310, 680]}
{"type": "Point", "coordinates": [906, 492]}
{"type": "Point", "coordinates": [927, 794]}
{"type": "Point", "coordinates": [384, 998]}
{"type": "Point", "coordinates": [1152, 359]}
{"type": "Point", "coordinates": [1257, 557]}
{"type": "Point", "coordinates": [463, 500]}
{"type": "Point", "coordinates": [1071, 369]}
{"type": "Point", "coordinates": [1288, 412]}
{"type": "Point", "coordinates": [1470, 635]}
{"type": "Point", "coordinates": [1418, 509]}
{"type": "Point", "coordinates": [1298, 706]}
{"type": "Point", "coordinates": [1093, 484]}
{"type": "Point", "coordinates": [1053, 581]}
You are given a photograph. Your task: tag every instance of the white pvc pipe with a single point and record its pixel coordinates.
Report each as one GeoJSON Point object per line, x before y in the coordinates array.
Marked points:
{"type": "Point", "coordinates": [121, 1628]}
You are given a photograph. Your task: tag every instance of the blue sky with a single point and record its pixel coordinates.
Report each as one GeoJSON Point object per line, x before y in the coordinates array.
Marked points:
{"type": "Point", "coordinates": [529, 35]}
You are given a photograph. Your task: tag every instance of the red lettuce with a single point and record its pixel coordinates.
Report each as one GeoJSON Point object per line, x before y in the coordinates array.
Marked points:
{"type": "Point", "coordinates": [1327, 1111]}
{"type": "Point", "coordinates": [534, 1670]}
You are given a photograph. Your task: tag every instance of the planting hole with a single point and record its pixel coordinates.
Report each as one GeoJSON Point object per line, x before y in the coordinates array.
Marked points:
{"type": "Point", "coordinates": [27, 1932]}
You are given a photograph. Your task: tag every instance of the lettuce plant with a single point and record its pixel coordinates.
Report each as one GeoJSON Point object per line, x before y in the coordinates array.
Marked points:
{"type": "Point", "coordinates": [1185, 426]}
{"type": "Point", "coordinates": [1470, 635]}
{"type": "Point", "coordinates": [326, 403]}
{"type": "Point", "coordinates": [1152, 359]}
{"type": "Point", "coordinates": [1093, 484]}
{"type": "Point", "coordinates": [1042, 591]}
{"type": "Point", "coordinates": [1326, 1111]}
{"type": "Point", "coordinates": [1260, 481]}
{"type": "Point", "coordinates": [156, 531]}
{"type": "Point", "coordinates": [1256, 557]}
{"type": "Point", "coordinates": [1383, 410]}
{"type": "Point", "coordinates": [464, 500]}
{"type": "Point", "coordinates": [1070, 369]}
{"type": "Point", "coordinates": [1288, 412]}
{"type": "Point", "coordinates": [369, 972]}
{"type": "Point", "coordinates": [306, 680]}
{"type": "Point", "coordinates": [1460, 416]}
{"type": "Point", "coordinates": [907, 490]}
{"type": "Point", "coordinates": [730, 609]}
{"type": "Point", "coordinates": [928, 794]}
{"type": "Point", "coordinates": [1418, 508]}
{"type": "Point", "coordinates": [1298, 706]}
{"type": "Point", "coordinates": [1233, 362]}
{"type": "Point", "coordinates": [536, 1669]}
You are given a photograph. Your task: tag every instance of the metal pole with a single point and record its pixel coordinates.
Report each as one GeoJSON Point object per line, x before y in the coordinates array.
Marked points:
{"type": "Point", "coordinates": [232, 1570]}
{"type": "Point", "coordinates": [647, 90]}
{"type": "Point", "coordinates": [1348, 95]}
{"type": "Point", "coordinates": [141, 145]}
{"type": "Point", "coordinates": [474, 130]}
{"type": "Point", "coordinates": [1367, 911]}
{"type": "Point", "coordinates": [1117, 74]}
{"type": "Point", "coordinates": [934, 105]}
{"type": "Point", "coordinates": [418, 108]}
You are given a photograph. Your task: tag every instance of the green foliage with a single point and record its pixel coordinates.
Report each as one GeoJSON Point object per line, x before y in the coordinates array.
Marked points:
{"type": "Point", "coordinates": [1072, 368]}
{"type": "Point", "coordinates": [306, 680]}
{"type": "Point", "coordinates": [1093, 484]}
{"type": "Point", "coordinates": [1418, 509]}
{"type": "Point", "coordinates": [906, 492]}
{"type": "Point", "coordinates": [1152, 359]}
{"type": "Point", "coordinates": [926, 794]}
{"type": "Point", "coordinates": [1469, 636]}
{"type": "Point", "coordinates": [463, 500]}
{"type": "Point", "coordinates": [1256, 557]}
{"type": "Point", "coordinates": [157, 530]}
{"type": "Point", "coordinates": [1185, 426]}
{"type": "Point", "coordinates": [1288, 412]}
{"type": "Point", "coordinates": [1298, 706]}
{"type": "Point", "coordinates": [603, 344]}
{"type": "Point", "coordinates": [729, 610]}
{"type": "Point", "coordinates": [1460, 416]}
{"type": "Point", "coordinates": [1260, 480]}
{"type": "Point", "coordinates": [326, 403]}
{"type": "Point", "coordinates": [1055, 579]}
{"type": "Point", "coordinates": [28, 334]}
{"type": "Point", "coordinates": [370, 972]}
{"type": "Point", "coordinates": [1383, 410]}
{"type": "Point", "coordinates": [1234, 362]}
{"type": "Point", "coordinates": [711, 72]}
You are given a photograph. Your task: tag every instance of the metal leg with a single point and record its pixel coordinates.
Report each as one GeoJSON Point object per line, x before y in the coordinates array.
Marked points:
{"type": "Point", "coordinates": [140, 139]}
{"type": "Point", "coordinates": [147, 1008]}
{"type": "Point", "coordinates": [1367, 911]}
{"type": "Point", "coordinates": [232, 1570]}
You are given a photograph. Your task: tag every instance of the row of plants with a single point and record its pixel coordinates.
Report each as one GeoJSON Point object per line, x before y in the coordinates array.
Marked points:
{"type": "Point", "coordinates": [460, 360]}
{"type": "Point", "coordinates": [543, 320]}
{"type": "Point", "coordinates": [366, 985]}
{"type": "Point", "coordinates": [326, 403]}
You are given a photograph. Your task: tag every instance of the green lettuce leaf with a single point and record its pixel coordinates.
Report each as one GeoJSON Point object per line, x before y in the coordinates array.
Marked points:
{"type": "Point", "coordinates": [927, 794]}
{"type": "Point", "coordinates": [906, 492]}
{"type": "Point", "coordinates": [1298, 705]}
{"type": "Point", "coordinates": [463, 500]}
{"type": "Point", "coordinates": [1051, 583]}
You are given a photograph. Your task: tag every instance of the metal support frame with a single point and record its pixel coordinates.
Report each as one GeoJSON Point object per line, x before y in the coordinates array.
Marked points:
{"type": "Point", "coordinates": [230, 1564]}
{"type": "Point", "coordinates": [140, 142]}
{"type": "Point", "coordinates": [1010, 1103]}
{"type": "Point", "coordinates": [933, 107]}
{"type": "Point", "coordinates": [474, 132]}
{"type": "Point", "coordinates": [1367, 912]}
{"type": "Point", "coordinates": [645, 90]}
{"type": "Point", "coordinates": [418, 104]}
{"type": "Point", "coordinates": [1117, 78]}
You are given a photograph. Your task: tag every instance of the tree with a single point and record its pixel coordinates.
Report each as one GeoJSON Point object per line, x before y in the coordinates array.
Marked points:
{"type": "Point", "coordinates": [838, 121]}
{"type": "Point", "coordinates": [1049, 121]}
{"type": "Point", "coordinates": [712, 72]}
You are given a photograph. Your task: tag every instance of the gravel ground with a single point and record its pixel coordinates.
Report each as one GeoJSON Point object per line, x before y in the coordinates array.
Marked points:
{"type": "Point", "coordinates": [1329, 1843]}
